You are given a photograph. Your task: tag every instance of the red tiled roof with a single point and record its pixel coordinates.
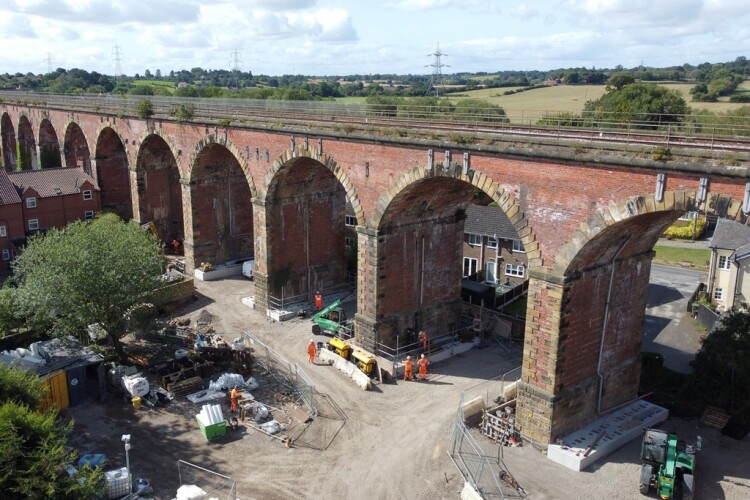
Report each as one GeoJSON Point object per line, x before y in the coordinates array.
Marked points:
{"type": "Point", "coordinates": [8, 193]}
{"type": "Point", "coordinates": [50, 182]}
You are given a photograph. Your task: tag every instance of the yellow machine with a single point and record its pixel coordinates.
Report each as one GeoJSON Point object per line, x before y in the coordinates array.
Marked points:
{"type": "Point", "coordinates": [364, 361]}
{"type": "Point", "coordinates": [342, 348]}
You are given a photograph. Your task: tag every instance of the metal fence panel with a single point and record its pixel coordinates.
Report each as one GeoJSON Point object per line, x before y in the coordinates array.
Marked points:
{"type": "Point", "coordinates": [214, 484]}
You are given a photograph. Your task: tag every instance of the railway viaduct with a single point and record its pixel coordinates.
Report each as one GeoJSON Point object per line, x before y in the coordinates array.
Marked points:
{"type": "Point", "coordinates": [588, 215]}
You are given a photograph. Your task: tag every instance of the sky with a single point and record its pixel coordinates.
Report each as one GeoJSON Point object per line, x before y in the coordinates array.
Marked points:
{"type": "Point", "coordinates": [343, 37]}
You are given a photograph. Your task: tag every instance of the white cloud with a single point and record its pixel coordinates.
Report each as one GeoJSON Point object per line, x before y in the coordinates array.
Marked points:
{"type": "Point", "coordinates": [111, 12]}
{"type": "Point", "coordinates": [282, 4]}
{"type": "Point", "coordinates": [524, 12]}
{"type": "Point", "coordinates": [433, 4]}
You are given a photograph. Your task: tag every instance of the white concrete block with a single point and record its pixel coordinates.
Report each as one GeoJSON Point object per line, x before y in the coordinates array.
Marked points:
{"type": "Point", "coordinates": [614, 431]}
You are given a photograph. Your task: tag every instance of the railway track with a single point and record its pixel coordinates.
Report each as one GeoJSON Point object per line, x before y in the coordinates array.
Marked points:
{"type": "Point", "coordinates": [353, 118]}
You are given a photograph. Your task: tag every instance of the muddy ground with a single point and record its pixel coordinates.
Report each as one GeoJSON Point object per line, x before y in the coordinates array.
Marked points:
{"type": "Point", "coordinates": [386, 443]}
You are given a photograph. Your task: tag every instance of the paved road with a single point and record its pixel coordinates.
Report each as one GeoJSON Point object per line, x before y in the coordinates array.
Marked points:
{"type": "Point", "coordinates": [668, 328]}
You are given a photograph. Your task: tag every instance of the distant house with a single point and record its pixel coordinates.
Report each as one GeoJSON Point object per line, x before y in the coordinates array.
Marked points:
{"type": "Point", "coordinates": [729, 269]}
{"type": "Point", "coordinates": [492, 251]}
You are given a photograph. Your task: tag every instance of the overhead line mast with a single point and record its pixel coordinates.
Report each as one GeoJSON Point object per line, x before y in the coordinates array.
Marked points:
{"type": "Point", "coordinates": [436, 81]}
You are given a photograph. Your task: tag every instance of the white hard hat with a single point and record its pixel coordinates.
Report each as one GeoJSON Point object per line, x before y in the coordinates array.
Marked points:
{"type": "Point", "coordinates": [408, 357]}
{"type": "Point", "coordinates": [312, 340]}
{"type": "Point", "coordinates": [423, 355]}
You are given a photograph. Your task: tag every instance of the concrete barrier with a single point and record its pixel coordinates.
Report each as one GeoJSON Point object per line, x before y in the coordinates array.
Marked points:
{"type": "Point", "coordinates": [469, 493]}
{"type": "Point", "coordinates": [347, 368]}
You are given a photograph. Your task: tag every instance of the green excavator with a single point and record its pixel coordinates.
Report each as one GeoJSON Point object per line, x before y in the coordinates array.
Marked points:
{"type": "Point", "coordinates": [332, 321]}
{"type": "Point", "coordinates": [668, 465]}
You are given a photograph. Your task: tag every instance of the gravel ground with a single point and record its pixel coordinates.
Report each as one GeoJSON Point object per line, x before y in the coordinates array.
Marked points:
{"type": "Point", "coordinates": [386, 443]}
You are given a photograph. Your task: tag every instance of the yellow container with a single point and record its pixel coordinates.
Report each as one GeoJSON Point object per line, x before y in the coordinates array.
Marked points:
{"type": "Point", "coordinates": [342, 348]}
{"type": "Point", "coordinates": [136, 400]}
{"type": "Point", "coordinates": [364, 361]}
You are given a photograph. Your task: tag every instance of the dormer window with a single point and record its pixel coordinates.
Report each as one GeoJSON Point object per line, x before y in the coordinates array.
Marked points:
{"type": "Point", "coordinates": [31, 202]}
{"type": "Point", "coordinates": [87, 195]}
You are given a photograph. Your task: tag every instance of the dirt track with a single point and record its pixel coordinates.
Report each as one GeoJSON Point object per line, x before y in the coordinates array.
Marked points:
{"type": "Point", "coordinates": [387, 443]}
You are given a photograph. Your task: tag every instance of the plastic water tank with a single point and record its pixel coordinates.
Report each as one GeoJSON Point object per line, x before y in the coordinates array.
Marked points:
{"type": "Point", "coordinates": [136, 384]}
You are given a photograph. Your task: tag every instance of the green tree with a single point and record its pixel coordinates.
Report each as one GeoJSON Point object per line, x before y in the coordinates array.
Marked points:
{"type": "Point", "coordinates": [648, 104]}
{"type": "Point", "coordinates": [721, 370]}
{"type": "Point", "coordinates": [618, 80]}
{"type": "Point", "coordinates": [86, 273]}
{"type": "Point", "coordinates": [33, 451]}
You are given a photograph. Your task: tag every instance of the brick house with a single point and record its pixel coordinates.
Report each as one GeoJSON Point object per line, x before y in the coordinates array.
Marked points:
{"type": "Point", "coordinates": [36, 200]}
{"type": "Point", "coordinates": [729, 268]}
{"type": "Point", "coordinates": [492, 251]}
{"type": "Point", "coordinates": [11, 222]}
{"type": "Point", "coordinates": [55, 197]}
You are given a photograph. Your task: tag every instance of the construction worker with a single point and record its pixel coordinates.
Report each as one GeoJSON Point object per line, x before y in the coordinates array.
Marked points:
{"type": "Point", "coordinates": [318, 301]}
{"type": "Point", "coordinates": [423, 339]}
{"type": "Point", "coordinates": [423, 362]}
{"type": "Point", "coordinates": [408, 368]}
{"type": "Point", "coordinates": [311, 350]}
{"type": "Point", "coordinates": [176, 246]}
{"type": "Point", "coordinates": [234, 396]}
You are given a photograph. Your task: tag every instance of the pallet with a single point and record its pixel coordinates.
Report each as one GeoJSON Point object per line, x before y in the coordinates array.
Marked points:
{"type": "Point", "coordinates": [187, 386]}
{"type": "Point", "coordinates": [715, 417]}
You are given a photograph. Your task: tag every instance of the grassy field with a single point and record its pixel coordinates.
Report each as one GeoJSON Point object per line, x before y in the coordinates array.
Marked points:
{"type": "Point", "coordinates": [695, 257]}
{"type": "Point", "coordinates": [169, 86]}
{"type": "Point", "coordinates": [534, 104]}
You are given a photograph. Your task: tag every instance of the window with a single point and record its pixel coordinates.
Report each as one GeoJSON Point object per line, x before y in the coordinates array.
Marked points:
{"type": "Point", "coordinates": [723, 262]}
{"type": "Point", "coordinates": [31, 202]}
{"type": "Point", "coordinates": [518, 246]}
{"type": "Point", "coordinates": [89, 215]}
{"type": "Point", "coordinates": [349, 241]}
{"type": "Point", "coordinates": [475, 239]}
{"type": "Point", "coordinates": [490, 273]}
{"type": "Point", "coordinates": [3, 231]}
{"type": "Point", "coordinates": [6, 254]}
{"type": "Point", "coordinates": [688, 216]}
{"type": "Point", "coordinates": [87, 195]}
{"type": "Point", "coordinates": [514, 270]}
{"type": "Point", "coordinates": [491, 242]}
{"type": "Point", "coordinates": [470, 266]}
{"type": "Point", "coordinates": [33, 224]}
{"type": "Point", "coordinates": [350, 220]}
{"type": "Point", "coordinates": [718, 293]}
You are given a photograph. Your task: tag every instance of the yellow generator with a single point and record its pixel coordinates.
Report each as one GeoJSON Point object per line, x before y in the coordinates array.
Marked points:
{"type": "Point", "coordinates": [364, 361]}
{"type": "Point", "coordinates": [342, 348]}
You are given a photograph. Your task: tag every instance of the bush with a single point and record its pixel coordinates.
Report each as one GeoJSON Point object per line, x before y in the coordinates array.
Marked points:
{"type": "Point", "coordinates": [183, 112]}
{"type": "Point", "coordinates": [740, 98]}
{"type": "Point", "coordinates": [144, 108]}
{"type": "Point", "coordinates": [684, 231]}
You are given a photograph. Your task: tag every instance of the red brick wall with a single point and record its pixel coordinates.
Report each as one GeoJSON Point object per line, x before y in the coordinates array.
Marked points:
{"type": "Point", "coordinates": [11, 217]}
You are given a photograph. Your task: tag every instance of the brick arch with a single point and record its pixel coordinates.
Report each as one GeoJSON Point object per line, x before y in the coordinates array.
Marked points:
{"type": "Point", "coordinates": [27, 143]}
{"type": "Point", "coordinates": [87, 164]}
{"type": "Point", "coordinates": [212, 139]}
{"type": "Point", "coordinates": [479, 180]}
{"type": "Point", "coordinates": [675, 202]}
{"type": "Point", "coordinates": [325, 160]}
{"type": "Point", "coordinates": [105, 125]}
{"type": "Point", "coordinates": [176, 152]}
{"type": "Point", "coordinates": [68, 123]}
{"type": "Point", "coordinates": [8, 140]}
